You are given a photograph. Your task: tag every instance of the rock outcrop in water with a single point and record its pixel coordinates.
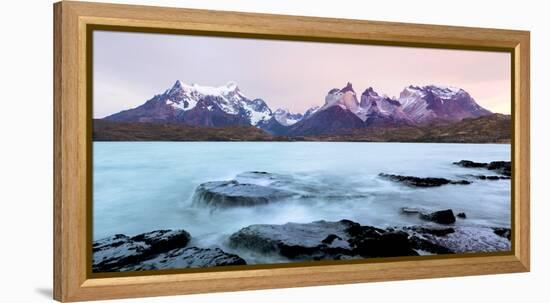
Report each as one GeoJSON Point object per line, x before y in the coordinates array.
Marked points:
{"type": "Point", "coordinates": [160, 249]}
{"type": "Point", "coordinates": [441, 216]}
{"type": "Point", "coordinates": [322, 240]}
{"type": "Point", "coordinates": [501, 167]}
{"type": "Point", "coordinates": [490, 178]}
{"type": "Point", "coordinates": [422, 182]}
{"type": "Point", "coordinates": [233, 193]}
{"type": "Point", "coordinates": [246, 189]}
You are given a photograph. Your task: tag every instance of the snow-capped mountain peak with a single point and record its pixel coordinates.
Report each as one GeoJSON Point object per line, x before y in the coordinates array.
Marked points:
{"type": "Point", "coordinates": [200, 105]}
{"type": "Point", "coordinates": [257, 110]}
{"type": "Point", "coordinates": [230, 88]}
{"type": "Point", "coordinates": [178, 86]}
{"type": "Point", "coordinates": [185, 97]}
{"type": "Point", "coordinates": [425, 103]}
{"type": "Point", "coordinates": [286, 118]}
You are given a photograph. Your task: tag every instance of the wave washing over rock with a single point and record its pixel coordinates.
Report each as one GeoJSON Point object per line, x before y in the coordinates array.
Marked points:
{"type": "Point", "coordinates": [312, 241]}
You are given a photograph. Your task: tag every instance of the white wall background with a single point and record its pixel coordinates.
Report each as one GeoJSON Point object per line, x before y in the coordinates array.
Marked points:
{"type": "Point", "coordinates": [26, 149]}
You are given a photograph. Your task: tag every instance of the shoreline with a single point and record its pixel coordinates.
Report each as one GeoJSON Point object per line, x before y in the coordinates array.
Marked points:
{"type": "Point", "coordinates": [263, 244]}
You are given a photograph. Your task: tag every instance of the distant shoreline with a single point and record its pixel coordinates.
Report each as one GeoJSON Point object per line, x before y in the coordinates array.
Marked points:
{"type": "Point", "coordinates": [221, 141]}
{"type": "Point", "coordinates": [495, 129]}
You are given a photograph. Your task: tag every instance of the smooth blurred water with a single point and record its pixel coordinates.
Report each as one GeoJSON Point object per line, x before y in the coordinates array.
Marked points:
{"type": "Point", "coordinates": [144, 186]}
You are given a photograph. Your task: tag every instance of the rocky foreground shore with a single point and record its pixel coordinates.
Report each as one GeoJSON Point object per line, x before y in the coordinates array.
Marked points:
{"type": "Point", "coordinates": [161, 249]}
{"type": "Point", "coordinates": [319, 240]}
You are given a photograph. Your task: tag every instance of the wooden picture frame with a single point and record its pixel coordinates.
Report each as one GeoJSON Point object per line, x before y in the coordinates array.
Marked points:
{"type": "Point", "coordinates": [72, 20]}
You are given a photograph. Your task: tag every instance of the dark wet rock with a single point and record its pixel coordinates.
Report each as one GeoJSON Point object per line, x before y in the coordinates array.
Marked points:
{"type": "Point", "coordinates": [503, 232]}
{"type": "Point", "coordinates": [467, 239]}
{"type": "Point", "coordinates": [436, 231]}
{"type": "Point", "coordinates": [470, 164]}
{"type": "Point", "coordinates": [115, 252]}
{"type": "Point", "coordinates": [501, 167]}
{"type": "Point", "coordinates": [442, 217]}
{"type": "Point", "coordinates": [422, 182]}
{"type": "Point", "coordinates": [162, 249]}
{"type": "Point", "coordinates": [322, 240]}
{"type": "Point", "coordinates": [461, 215]}
{"type": "Point", "coordinates": [190, 257]}
{"type": "Point", "coordinates": [422, 245]}
{"type": "Point", "coordinates": [316, 240]}
{"type": "Point", "coordinates": [491, 178]}
{"type": "Point", "coordinates": [163, 240]}
{"type": "Point", "coordinates": [461, 182]}
{"type": "Point", "coordinates": [118, 251]}
{"type": "Point", "coordinates": [233, 193]}
{"type": "Point", "coordinates": [460, 239]}
{"type": "Point", "coordinates": [371, 242]}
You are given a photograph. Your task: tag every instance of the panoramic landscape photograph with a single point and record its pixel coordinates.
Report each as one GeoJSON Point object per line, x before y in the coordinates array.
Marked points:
{"type": "Point", "coordinates": [219, 151]}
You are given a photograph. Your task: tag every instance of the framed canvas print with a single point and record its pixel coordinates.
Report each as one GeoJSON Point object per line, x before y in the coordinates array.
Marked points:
{"type": "Point", "coordinates": [201, 151]}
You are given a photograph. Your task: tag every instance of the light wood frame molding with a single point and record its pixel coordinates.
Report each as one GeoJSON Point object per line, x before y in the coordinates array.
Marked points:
{"type": "Point", "coordinates": [72, 281]}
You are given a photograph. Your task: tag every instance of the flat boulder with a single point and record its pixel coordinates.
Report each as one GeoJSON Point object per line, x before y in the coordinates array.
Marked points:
{"type": "Point", "coordinates": [233, 193]}
{"type": "Point", "coordinates": [317, 240]}
{"type": "Point", "coordinates": [442, 216]}
{"type": "Point", "coordinates": [323, 240]}
{"type": "Point", "coordinates": [422, 182]}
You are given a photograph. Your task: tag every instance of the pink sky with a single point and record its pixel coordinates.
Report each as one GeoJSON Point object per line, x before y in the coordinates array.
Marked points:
{"type": "Point", "coordinates": [129, 68]}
